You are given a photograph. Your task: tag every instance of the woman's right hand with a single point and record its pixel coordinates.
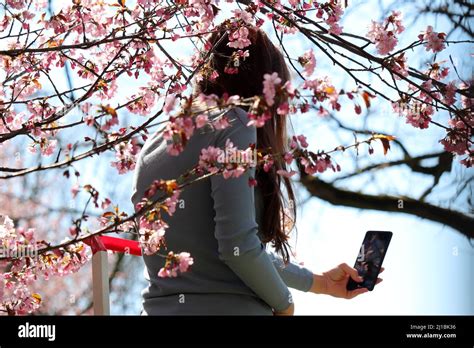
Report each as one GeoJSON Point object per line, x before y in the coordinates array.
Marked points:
{"type": "Point", "coordinates": [289, 311]}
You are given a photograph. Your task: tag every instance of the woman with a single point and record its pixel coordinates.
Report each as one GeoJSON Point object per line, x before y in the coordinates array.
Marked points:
{"type": "Point", "coordinates": [223, 222]}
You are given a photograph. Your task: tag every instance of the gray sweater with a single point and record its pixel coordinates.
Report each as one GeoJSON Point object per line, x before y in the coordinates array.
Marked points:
{"type": "Point", "coordinates": [215, 218]}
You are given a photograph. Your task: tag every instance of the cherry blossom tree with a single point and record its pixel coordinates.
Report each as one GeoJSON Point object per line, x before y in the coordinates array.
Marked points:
{"type": "Point", "coordinates": [103, 47]}
{"type": "Point", "coordinates": [443, 187]}
{"type": "Point", "coordinates": [31, 206]}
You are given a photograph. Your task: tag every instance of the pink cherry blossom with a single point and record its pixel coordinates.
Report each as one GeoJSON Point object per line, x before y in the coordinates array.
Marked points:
{"type": "Point", "coordinates": [450, 93]}
{"type": "Point", "coordinates": [171, 202]}
{"type": "Point", "coordinates": [4, 23]}
{"type": "Point", "coordinates": [317, 165]}
{"type": "Point", "coordinates": [215, 75]}
{"type": "Point", "coordinates": [294, 3]}
{"type": "Point", "coordinates": [258, 120]}
{"type": "Point", "coordinates": [126, 156]}
{"type": "Point", "coordinates": [89, 120]}
{"type": "Point", "coordinates": [288, 157]}
{"type": "Point", "coordinates": [16, 4]}
{"type": "Point", "coordinates": [267, 163]}
{"type": "Point", "coordinates": [308, 61]}
{"type": "Point", "coordinates": [323, 90]}
{"type": "Point", "coordinates": [145, 101]}
{"type": "Point", "coordinates": [221, 122]}
{"type": "Point", "coordinates": [151, 235]}
{"type": "Point", "coordinates": [399, 65]}
{"type": "Point", "coordinates": [208, 159]}
{"type": "Point", "coordinates": [269, 82]}
{"type": "Point", "coordinates": [185, 261]}
{"type": "Point", "coordinates": [245, 16]}
{"type": "Point", "coordinates": [231, 70]}
{"type": "Point", "coordinates": [454, 143]}
{"type": "Point", "coordinates": [302, 140]}
{"type": "Point", "coordinates": [231, 161]}
{"type": "Point", "coordinates": [106, 203]}
{"type": "Point", "coordinates": [235, 160]}
{"type": "Point", "coordinates": [27, 265]}
{"type": "Point", "coordinates": [201, 120]}
{"type": "Point", "coordinates": [48, 146]}
{"type": "Point", "coordinates": [417, 114]}
{"type": "Point", "coordinates": [293, 143]}
{"type": "Point", "coordinates": [334, 16]}
{"type": "Point", "coordinates": [239, 38]}
{"type": "Point", "coordinates": [455, 140]}
{"type": "Point", "coordinates": [252, 182]}
{"type": "Point", "coordinates": [433, 41]}
{"type": "Point", "coordinates": [289, 88]}
{"type": "Point", "coordinates": [176, 264]}
{"type": "Point", "coordinates": [177, 131]}
{"type": "Point", "coordinates": [167, 272]}
{"type": "Point", "coordinates": [418, 119]}
{"type": "Point", "coordinates": [396, 20]}
{"type": "Point", "coordinates": [283, 109]}
{"type": "Point", "coordinates": [383, 34]}
{"type": "Point", "coordinates": [309, 167]}
{"type": "Point", "coordinates": [155, 239]}
{"type": "Point", "coordinates": [385, 41]}
{"type": "Point", "coordinates": [331, 12]}
{"type": "Point", "coordinates": [170, 103]}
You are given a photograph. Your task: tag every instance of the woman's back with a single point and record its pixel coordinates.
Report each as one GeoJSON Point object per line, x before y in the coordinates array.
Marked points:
{"type": "Point", "coordinates": [215, 222]}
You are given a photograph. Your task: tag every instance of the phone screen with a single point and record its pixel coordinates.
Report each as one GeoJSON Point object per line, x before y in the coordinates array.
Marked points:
{"type": "Point", "coordinates": [370, 258]}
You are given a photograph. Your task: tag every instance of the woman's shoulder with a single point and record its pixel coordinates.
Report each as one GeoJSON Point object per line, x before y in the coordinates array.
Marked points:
{"type": "Point", "coordinates": [237, 129]}
{"type": "Point", "coordinates": [233, 114]}
{"type": "Point", "coordinates": [239, 115]}
{"type": "Point", "coordinates": [238, 118]}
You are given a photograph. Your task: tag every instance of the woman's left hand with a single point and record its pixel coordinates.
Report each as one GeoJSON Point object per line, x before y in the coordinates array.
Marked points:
{"type": "Point", "coordinates": [334, 282]}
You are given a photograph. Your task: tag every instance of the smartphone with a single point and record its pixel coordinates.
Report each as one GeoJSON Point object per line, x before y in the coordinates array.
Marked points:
{"type": "Point", "coordinates": [370, 258]}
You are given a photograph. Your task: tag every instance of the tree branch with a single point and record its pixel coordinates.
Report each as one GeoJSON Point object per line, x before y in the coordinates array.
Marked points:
{"type": "Point", "coordinates": [336, 196]}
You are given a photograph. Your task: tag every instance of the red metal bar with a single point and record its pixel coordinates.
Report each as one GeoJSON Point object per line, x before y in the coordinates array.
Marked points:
{"type": "Point", "coordinates": [100, 274]}
{"type": "Point", "coordinates": [121, 245]}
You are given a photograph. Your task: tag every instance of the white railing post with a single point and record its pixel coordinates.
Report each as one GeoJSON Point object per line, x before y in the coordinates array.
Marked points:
{"type": "Point", "coordinates": [100, 283]}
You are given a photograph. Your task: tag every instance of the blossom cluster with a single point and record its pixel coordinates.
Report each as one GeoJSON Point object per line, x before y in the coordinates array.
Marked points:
{"type": "Point", "coordinates": [21, 250]}
{"type": "Point", "coordinates": [176, 264]}
{"type": "Point", "coordinates": [384, 34]}
{"type": "Point", "coordinates": [418, 112]}
{"type": "Point", "coordinates": [230, 161]}
{"type": "Point", "coordinates": [126, 156]}
{"type": "Point", "coordinates": [152, 228]}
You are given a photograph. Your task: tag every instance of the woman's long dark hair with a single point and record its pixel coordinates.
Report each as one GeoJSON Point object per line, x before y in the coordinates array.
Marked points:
{"type": "Point", "coordinates": [264, 58]}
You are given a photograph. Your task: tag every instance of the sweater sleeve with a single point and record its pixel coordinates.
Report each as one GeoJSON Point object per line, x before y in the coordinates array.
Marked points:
{"type": "Point", "coordinates": [294, 275]}
{"type": "Point", "coordinates": [235, 223]}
